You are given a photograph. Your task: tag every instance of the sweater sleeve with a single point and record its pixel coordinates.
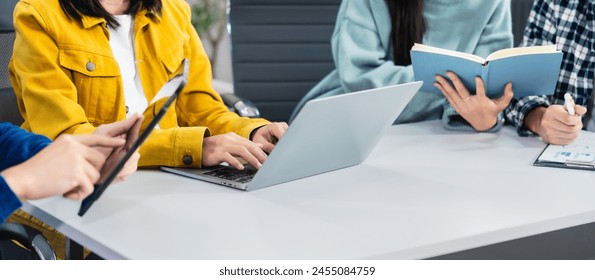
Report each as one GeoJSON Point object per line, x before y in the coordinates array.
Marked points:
{"type": "Point", "coordinates": [497, 33]}
{"type": "Point", "coordinates": [18, 145]}
{"type": "Point", "coordinates": [8, 200]}
{"type": "Point", "coordinates": [453, 121]}
{"type": "Point", "coordinates": [360, 49]}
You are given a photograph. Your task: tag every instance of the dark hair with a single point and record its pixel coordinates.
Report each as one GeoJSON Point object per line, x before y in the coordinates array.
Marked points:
{"type": "Point", "coordinates": [76, 9]}
{"type": "Point", "coordinates": [408, 27]}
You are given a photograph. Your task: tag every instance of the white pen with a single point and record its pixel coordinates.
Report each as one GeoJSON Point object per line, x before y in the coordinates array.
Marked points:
{"type": "Point", "coordinates": [569, 104]}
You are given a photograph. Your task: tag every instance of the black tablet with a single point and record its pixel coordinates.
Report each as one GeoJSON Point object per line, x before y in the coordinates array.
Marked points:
{"type": "Point", "coordinates": [119, 157]}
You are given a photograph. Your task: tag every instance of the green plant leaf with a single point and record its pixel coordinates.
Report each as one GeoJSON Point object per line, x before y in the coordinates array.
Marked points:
{"type": "Point", "coordinates": [205, 14]}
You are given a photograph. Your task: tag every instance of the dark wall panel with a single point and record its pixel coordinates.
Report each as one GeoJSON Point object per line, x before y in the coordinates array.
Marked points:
{"type": "Point", "coordinates": [280, 50]}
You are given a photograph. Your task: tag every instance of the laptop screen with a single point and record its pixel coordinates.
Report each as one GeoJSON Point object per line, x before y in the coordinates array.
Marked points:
{"type": "Point", "coordinates": [119, 157]}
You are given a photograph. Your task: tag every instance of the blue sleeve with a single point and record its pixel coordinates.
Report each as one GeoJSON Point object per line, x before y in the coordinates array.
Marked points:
{"type": "Point", "coordinates": [8, 200]}
{"type": "Point", "coordinates": [497, 33]}
{"type": "Point", "coordinates": [361, 44]}
{"type": "Point", "coordinates": [18, 145]}
{"type": "Point", "coordinates": [451, 120]}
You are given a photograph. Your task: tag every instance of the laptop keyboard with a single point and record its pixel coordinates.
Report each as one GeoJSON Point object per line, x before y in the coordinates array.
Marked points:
{"type": "Point", "coordinates": [232, 174]}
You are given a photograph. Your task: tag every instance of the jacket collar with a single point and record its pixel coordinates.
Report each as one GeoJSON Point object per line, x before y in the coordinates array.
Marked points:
{"type": "Point", "coordinates": [141, 18]}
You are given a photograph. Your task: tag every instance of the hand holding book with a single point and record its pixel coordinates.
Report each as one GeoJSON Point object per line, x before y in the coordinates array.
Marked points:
{"type": "Point", "coordinates": [531, 70]}
{"type": "Point", "coordinates": [478, 110]}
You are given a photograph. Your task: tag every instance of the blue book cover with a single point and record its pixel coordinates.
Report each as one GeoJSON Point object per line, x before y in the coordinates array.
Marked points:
{"type": "Point", "coordinates": [532, 70]}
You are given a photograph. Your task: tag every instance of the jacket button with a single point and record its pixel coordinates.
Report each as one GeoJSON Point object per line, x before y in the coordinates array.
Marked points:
{"type": "Point", "coordinates": [187, 160]}
{"type": "Point", "coordinates": [90, 66]}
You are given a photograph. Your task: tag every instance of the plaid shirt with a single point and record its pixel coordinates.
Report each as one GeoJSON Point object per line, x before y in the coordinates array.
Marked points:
{"type": "Point", "coordinates": [570, 26]}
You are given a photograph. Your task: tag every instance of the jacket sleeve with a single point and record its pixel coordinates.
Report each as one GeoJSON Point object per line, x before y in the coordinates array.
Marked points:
{"type": "Point", "coordinates": [540, 30]}
{"type": "Point", "coordinates": [200, 105]}
{"type": "Point", "coordinates": [42, 85]}
{"type": "Point", "coordinates": [200, 113]}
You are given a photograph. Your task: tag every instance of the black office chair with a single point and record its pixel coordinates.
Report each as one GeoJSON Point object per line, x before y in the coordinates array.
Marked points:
{"type": "Point", "coordinates": [31, 243]}
{"type": "Point", "coordinates": [280, 50]}
{"type": "Point", "coordinates": [520, 10]}
{"type": "Point", "coordinates": [9, 111]}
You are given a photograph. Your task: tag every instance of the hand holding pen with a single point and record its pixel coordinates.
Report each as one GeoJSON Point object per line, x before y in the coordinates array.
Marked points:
{"type": "Point", "coordinates": [556, 124]}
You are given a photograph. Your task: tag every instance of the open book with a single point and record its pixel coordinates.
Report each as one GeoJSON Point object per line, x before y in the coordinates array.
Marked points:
{"type": "Point", "coordinates": [532, 70]}
{"type": "Point", "coordinates": [580, 154]}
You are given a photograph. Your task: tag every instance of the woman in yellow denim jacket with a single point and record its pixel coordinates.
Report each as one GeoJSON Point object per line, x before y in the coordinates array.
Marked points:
{"type": "Point", "coordinates": [67, 80]}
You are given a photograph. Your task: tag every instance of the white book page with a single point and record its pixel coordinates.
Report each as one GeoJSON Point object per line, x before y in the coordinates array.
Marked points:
{"type": "Point", "coordinates": [428, 49]}
{"type": "Point", "coordinates": [521, 51]}
{"type": "Point", "coordinates": [581, 151]}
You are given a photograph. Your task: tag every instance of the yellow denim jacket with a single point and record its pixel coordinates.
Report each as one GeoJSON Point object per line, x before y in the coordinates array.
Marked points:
{"type": "Point", "coordinates": [67, 80]}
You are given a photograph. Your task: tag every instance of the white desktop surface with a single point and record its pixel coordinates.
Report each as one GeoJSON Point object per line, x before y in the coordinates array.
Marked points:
{"type": "Point", "coordinates": [423, 192]}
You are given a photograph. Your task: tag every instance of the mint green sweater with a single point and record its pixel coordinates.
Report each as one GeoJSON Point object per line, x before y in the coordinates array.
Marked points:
{"type": "Point", "coordinates": [361, 46]}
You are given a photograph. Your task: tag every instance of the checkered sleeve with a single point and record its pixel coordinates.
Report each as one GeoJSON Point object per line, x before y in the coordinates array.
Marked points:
{"type": "Point", "coordinates": [518, 109]}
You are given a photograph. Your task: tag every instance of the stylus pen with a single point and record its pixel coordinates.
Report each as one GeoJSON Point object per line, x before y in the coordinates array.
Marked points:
{"type": "Point", "coordinates": [569, 104]}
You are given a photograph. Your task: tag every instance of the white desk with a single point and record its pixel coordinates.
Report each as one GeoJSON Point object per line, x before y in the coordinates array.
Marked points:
{"type": "Point", "coordinates": [423, 192]}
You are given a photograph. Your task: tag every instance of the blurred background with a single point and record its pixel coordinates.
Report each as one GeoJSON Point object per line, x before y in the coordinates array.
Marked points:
{"type": "Point", "coordinates": [209, 18]}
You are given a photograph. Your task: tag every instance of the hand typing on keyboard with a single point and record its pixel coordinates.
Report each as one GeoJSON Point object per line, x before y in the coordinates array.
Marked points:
{"type": "Point", "coordinates": [226, 147]}
{"type": "Point", "coordinates": [269, 135]}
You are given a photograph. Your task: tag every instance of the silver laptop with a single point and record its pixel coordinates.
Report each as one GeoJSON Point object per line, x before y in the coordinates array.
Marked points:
{"type": "Point", "coordinates": [328, 134]}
